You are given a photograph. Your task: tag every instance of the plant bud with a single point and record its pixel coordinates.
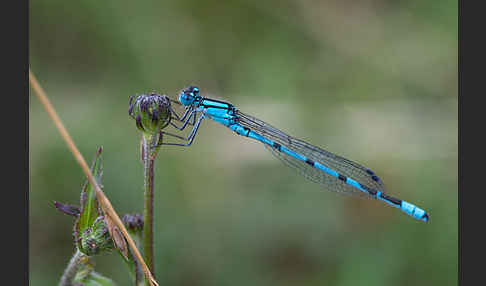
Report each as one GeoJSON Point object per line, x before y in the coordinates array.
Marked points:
{"type": "Point", "coordinates": [96, 238]}
{"type": "Point", "coordinates": [151, 112]}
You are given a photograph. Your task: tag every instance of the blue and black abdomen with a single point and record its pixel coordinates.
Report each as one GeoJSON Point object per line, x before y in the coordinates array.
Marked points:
{"type": "Point", "coordinates": [332, 171]}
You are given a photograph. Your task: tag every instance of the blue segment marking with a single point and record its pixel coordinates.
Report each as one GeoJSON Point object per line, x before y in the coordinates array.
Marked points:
{"type": "Point", "coordinates": [414, 211]}
{"type": "Point", "coordinates": [356, 185]}
{"type": "Point", "coordinates": [326, 169]}
{"type": "Point", "coordinates": [295, 153]}
{"type": "Point", "coordinates": [260, 138]}
{"type": "Point", "coordinates": [408, 208]}
{"type": "Point", "coordinates": [240, 130]}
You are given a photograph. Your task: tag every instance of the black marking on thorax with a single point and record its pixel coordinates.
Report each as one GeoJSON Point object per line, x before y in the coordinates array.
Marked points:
{"type": "Point", "coordinates": [229, 105]}
{"type": "Point", "coordinates": [247, 130]}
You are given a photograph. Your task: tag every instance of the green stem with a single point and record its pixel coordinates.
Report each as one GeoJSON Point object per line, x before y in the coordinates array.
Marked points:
{"type": "Point", "coordinates": [139, 277]}
{"type": "Point", "coordinates": [132, 263]}
{"type": "Point", "coordinates": [148, 233]}
{"type": "Point", "coordinates": [72, 268]}
{"type": "Point", "coordinates": [138, 273]}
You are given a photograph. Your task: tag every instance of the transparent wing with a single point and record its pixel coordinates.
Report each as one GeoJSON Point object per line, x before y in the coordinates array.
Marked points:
{"type": "Point", "coordinates": [316, 175]}
{"type": "Point", "coordinates": [341, 165]}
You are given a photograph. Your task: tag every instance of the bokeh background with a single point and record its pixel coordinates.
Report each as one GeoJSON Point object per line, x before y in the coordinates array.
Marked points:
{"type": "Point", "coordinates": [374, 81]}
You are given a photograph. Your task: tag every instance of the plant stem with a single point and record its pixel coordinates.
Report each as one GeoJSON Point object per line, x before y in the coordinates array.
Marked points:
{"type": "Point", "coordinates": [148, 214]}
{"type": "Point", "coordinates": [148, 234]}
{"type": "Point", "coordinates": [139, 277]}
{"type": "Point", "coordinates": [105, 203]}
{"type": "Point", "coordinates": [71, 269]}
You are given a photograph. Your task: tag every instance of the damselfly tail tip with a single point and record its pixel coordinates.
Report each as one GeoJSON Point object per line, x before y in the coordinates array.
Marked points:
{"type": "Point", "coordinates": [425, 217]}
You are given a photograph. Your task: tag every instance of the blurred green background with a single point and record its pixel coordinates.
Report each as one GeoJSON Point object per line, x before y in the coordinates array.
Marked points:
{"type": "Point", "coordinates": [374, 81]}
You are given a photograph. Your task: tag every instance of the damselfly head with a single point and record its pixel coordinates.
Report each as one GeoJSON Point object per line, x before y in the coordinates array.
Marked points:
{"type": "Point", "coordinates": [188, 95]}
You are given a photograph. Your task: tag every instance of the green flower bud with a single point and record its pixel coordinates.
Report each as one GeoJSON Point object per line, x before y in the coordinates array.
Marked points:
{"type": "Point", "coordinates": [96, 238]}
{"type": "Point", "coordinates": [151, 112]}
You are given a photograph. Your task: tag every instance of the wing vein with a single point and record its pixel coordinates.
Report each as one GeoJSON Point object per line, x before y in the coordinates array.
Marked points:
{"type": "Point", "coordinates": [346, 167]}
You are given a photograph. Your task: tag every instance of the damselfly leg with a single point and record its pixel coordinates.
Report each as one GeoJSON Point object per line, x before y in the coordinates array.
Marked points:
{"type": "Point", "coordinates": [186, 121]}
{"type": "Point", "coordinates": [191, 136]}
